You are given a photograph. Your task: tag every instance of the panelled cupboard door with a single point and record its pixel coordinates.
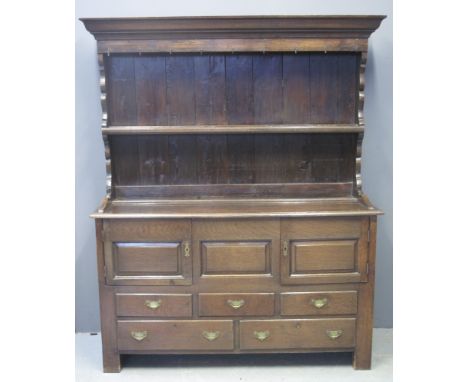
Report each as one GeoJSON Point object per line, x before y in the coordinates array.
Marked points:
{"type": "Point", "coordinates": [324, 250]}
{"type": "Point", "coordinates": [237, 250]}
{"type": "Point", "coordinates": [151, 252]}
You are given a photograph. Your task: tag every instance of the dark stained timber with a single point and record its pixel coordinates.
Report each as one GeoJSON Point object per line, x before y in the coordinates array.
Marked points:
{"type": "Point", "coordinates": [233, 89]}
{"type": "Point", "coordinates": [234, 219]}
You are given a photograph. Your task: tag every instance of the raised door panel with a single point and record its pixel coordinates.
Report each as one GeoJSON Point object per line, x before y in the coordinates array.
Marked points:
{"type": "Point", "coordinates": [146, 258]}
{"type": "Point", "coordinates": [316, 256]}
{"type": "Point", "coordinates": [228, 252]}
{"type": "Point", "coordinates": [324, 250]}
{"type": "Point", "coordinates": [220, 258]}
{"type": "Point", "coordinates": [148, 252]}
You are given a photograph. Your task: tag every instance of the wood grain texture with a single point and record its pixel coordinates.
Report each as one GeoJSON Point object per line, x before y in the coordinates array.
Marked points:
{"type": "Point", "coordinates": [139, 305]}
{"type": "Point", "coordinates": [234, 161]}
{"type": "Point", "coordinates": [234, 208]}
{"type": "Point", "coordinates": [302, 303]}
{"type": "Point", "coordinates": [243, 27]}
{"type": "Point", "coordinates": [314, 267]}
{"type": "Point", "coordinates": [104, 123]}
{"type": "Point", "coordinates": [233, 45]}
{"type": "Point", "coordinates": [362, 358]}
{"type": "Point", "coordinates": [224, 304]}
{"type": "Point", "coordinates": [236, 257]}
{"type": "Point", "coordinates": [297, 334]}
{"type": "Point", "coordinates": [175, 335]}
{"type": "Point", "coordinates": [233, 158]}
{"type": "Point", "coordinates": [360, 136]}
{"type": "Point", "coordinates": [110, 352]}
{"type": "Point", "coordinates": [233, 129]}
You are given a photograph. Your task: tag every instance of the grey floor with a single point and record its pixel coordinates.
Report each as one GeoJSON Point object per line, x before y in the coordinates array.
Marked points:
{"type": "Point", "coordinates": [245, 368]}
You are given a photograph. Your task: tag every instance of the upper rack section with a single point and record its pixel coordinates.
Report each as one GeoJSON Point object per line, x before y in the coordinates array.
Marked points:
{"type": "Point", "coordinates": [232, 33]}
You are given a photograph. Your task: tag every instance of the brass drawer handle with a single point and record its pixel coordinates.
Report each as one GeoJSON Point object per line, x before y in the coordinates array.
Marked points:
{"type": "Point", "coordinates": [187, 249]}
{"type": "Point", "coordinates": [210, 336]}
{"type": "Point", "coordinates": [139, 336]}
{"type": "Point", "coordinates": [236, 304]}
{"type": "Point", "coordinates": [334, 334]}
{"type": "Point", "coordinates": [319, 302]}
{"type": "Point", "coordinates": [262, 335]}
{"type": "Point", "coordinates": [153, 304]}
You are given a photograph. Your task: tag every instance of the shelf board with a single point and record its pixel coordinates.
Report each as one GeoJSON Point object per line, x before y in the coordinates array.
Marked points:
{"type": "Point", "coordinates": [232, 129]}
{"type": "Point", "coordinates": [234, 208]}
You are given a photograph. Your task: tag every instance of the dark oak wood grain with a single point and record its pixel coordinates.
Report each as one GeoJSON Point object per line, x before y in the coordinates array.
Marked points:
{"type": "Point", "coordinates": [234, 219]}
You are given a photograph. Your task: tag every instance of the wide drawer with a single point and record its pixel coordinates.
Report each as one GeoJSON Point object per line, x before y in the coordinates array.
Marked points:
{"type": "Point", "coordinates": [243, 304]}
{"type": "Point", "coordinates": [175, 335]}
{"type": "Point", "coordinates": [297, 334]}
{"type": "Point", "coordinates": [153, 305]}
{"type": "Point", "coordinates": [318, 303]}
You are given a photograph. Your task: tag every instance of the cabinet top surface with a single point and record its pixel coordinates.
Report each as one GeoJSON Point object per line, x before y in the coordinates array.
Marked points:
{"type": "Point", "coordinates": [357, 26]}
{"type": "Point", "coordinates": [235, 208]}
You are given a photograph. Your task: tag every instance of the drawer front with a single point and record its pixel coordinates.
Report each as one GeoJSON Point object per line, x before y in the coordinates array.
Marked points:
{"type": "Point", "coordinates": [318, 303]}
{"type": "Point", "coordinates": [175, 335]}
{"type": "Point", "coordinates": [148, 252]}
{"type": "Point", "coordinates": [243, 304]}
{"type": "Point", "coordinates": [324, 250]}
{"type": "Point", "coordinates": [297, 334]}
{"type": "Point", "coordinates": [153, 305]}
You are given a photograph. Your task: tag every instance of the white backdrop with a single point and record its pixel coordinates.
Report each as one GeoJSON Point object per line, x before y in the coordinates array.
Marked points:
{"type": "Point", "coordinates": [90, 168]}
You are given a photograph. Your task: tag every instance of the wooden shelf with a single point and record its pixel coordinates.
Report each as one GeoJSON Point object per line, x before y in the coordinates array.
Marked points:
{"type": "Point", "coordinates": [234, 208]}
{"type": "Point", "coordinates": [231, 129]}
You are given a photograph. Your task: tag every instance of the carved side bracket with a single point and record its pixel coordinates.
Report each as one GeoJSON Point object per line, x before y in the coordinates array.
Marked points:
{"type": "Point", "coordinates": [102, 84]}
{"type": "Point", "coordinates": [360, 137]}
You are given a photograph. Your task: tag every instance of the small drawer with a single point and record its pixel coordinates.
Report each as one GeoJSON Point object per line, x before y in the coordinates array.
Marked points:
{"type": "Point", "coordinates": [175, 335]}
{"type": "Point", "coordinates": [240, 304]}
{"type": "Point", "coordinates": [153, 305]}
{"type": "Point", "coordinates": [318, 303]}
{"type": "Point", "coordinates": [297, 334]}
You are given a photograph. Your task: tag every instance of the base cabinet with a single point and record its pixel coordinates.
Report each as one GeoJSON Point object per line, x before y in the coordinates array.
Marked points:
{"type": "Point", "coordinates": [240, 297]}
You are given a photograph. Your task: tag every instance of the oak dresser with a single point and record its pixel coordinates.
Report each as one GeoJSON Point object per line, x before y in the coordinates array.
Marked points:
{"type": "Point", "coordinates": [234, 220]}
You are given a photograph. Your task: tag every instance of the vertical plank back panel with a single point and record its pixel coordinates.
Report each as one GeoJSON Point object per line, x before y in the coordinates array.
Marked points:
{"type": "Point", "coordinates": [121, 95]}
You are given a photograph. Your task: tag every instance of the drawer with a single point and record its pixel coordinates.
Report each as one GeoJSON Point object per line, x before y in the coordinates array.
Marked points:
{"type": "Point", "coordinates": [318, 303]}
{"type": "Point", "coordinates": [297, 334]}
{"type": "Point", "coordinates": [148, 252]}
{"type": "Point", "coordinates": [153, 305]}
{"type": "Point", "coordinates": [175, 335]}
{"type": "Point", "coordinates": [241, 304]}
{"type": "Point", "coordinates": [324, 250]}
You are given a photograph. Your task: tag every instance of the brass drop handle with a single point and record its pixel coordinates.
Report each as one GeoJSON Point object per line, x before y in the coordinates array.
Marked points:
{"type": "Point", "coordinates": [236, 304]}
{"type": "Point", "coordinates": [210, 336]}
{"type": "Point", "coordinates": [262, 335]}
{"type": "Point", "coordinates": [319, 302]}
{"type": "Point", "coordinates": [153, 304]}
{"type": "Point", "coordinates": [139, 336]}
{"type": "Point", "coordinates": [187, 249]}
{"type": "Point", "coordinates": [334, 334]}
